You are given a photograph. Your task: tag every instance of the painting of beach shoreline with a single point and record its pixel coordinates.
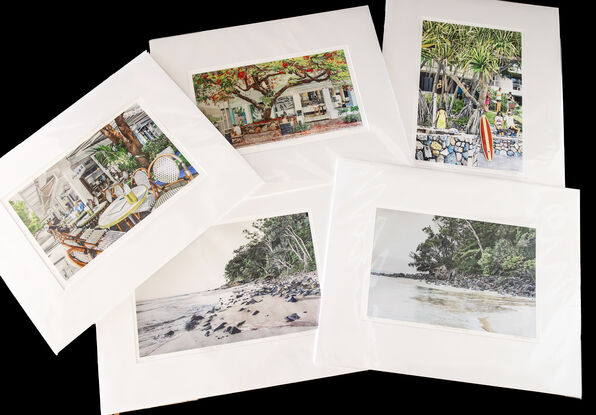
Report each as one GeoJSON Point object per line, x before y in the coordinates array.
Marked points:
{"type": "Point", "coordinates": [246, 281]}
{"type": "Point", "coordinates": [454, 272]}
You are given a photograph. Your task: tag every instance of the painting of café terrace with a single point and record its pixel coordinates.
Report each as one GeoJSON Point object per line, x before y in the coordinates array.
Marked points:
{"type": "Point", "coordinates": [274, 101]}
{"type": "Point", "coordinates": [100, 190]}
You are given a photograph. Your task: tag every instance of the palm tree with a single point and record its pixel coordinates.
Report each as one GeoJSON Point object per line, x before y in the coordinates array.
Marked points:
{"type": "Point", "coordinates": [457, 50]}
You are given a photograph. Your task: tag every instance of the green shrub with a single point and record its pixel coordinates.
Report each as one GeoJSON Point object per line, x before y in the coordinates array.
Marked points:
{"type": "Point", "coordinates": [301, 127]}
{"type": "Point", "coordinates": [352, 118]}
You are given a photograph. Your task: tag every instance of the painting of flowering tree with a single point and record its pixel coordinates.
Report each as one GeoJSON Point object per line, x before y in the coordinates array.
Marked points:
{"type": "Point", "coordinates": [315, 89]}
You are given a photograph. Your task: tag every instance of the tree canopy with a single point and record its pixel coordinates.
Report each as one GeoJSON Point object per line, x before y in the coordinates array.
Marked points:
{"type": "Point", "coordinates": [281, 245]}
{"type": "Point", "coordinates": [29, 218]}
{"type": "Point", "coordinates": [457, 50]}
{"type": "Point", "coordinates": [476, 248]}
{"type": "Point", "coordinates": [270, 80]}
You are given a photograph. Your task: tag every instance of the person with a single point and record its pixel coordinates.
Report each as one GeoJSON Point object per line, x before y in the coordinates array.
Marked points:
{"type": "Point", "coordinates": [510, 124]}
{"type": "Point", "coordinates": [459, 92]}
{"type": "Point", "coordinates": [439, 87]}
{"type": "Point", "coordinates": [237, 130]}
{"type": "Point", "coordinates": [441, 118]}
{"type": "Point", "coordinates": [499, 122]}
{"type": "Point", "coordinates": [499, 97]}
{"type": "Point", "coordinates": [487, 101]}
{"type": "Point", "coordinates": [510, 102]}
{"type": "Point", "coordinates": [79, 206]}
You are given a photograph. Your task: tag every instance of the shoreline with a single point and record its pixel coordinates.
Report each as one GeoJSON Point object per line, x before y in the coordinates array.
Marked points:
{"type": "Point", "coordinates": [407, 299]}
{"type": "Point", "coordinates": [224, 315]}
{"type": "Point", "coordinates": [425, 283]}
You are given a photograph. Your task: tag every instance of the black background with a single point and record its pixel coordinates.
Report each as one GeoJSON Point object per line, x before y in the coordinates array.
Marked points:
{"type": "Point", "coordinates": [53, 55]}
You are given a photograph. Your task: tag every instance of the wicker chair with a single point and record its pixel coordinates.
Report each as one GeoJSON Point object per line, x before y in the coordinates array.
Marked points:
{"type": "Point", "coordinates": [165, 170]}
{"type": "Point", "coordinates": [141, 177]}
{"type": "Point", "coordinates": [107, 194]}
{"type": "Point", "coordinates": [118, 189]}
{"type": "Point", "coordinates": [90, 244]}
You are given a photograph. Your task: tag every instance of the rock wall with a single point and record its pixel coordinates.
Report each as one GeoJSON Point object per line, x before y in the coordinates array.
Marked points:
{"type": "Point", "coordinates": [461, 149]}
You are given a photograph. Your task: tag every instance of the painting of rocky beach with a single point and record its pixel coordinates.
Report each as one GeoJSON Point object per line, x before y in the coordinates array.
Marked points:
{"type": "Point", "coordinates": [454, 272]}
{"type": "Point", "coordinates": [259, 280]}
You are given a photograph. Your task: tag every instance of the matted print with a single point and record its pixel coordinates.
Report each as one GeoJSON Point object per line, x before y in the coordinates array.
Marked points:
{"type": "Point", "coordinates": [470, 97]}
{"type": "Point", "coordinates": [278, 100]}
{"type": "Point", "coordinates": [453, 272]}
{"type": "Point", "coordinates": [100, 190]}
{"type": "Point", "coordinates": [254, 279]}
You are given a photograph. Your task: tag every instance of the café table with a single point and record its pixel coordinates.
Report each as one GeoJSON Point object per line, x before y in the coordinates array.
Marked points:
{"type": "Point", "coordinates": [120, 209]}
{"type": "Point", "coordinates": [87, 218]}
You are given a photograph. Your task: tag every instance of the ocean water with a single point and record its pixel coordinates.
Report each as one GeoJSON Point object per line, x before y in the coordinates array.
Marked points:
{"type": "Point", "coordinates": [410, 300]}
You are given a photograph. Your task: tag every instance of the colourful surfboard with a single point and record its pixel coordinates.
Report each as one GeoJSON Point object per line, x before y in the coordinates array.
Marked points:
{"type": "Point", "coordinates": [487, 138]}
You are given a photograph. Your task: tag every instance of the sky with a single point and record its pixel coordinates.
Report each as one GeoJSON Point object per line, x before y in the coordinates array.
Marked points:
{"type": "Point", "coordinates": [200, 266]}
{"type": "Point", "coordinates": [397, 234]}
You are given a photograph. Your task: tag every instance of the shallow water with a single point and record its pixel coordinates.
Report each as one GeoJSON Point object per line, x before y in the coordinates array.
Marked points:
{"type": "Point", "coordinates": [411, 300]}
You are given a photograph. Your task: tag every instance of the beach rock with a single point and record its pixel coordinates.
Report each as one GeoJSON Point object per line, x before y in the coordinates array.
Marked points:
{"type": "Point", "coordinates": [221, 326]}
{"type": "Point", "coordinates": [292, 317]}
{"type": "Point", "coordinates": [193, 322]}
{"type": "Point", "coordinates": [170, 333]}
{"type": "Point", "coordinates": [233, 330]}
{"type": "Point", "coordinates": [292, 299]}
{"type": "Point", "coordinates": [241, 323]}
{"type": "Point", "coordinates": [255, 313]}
{"type": "Point", "coordinates": [251, 301]}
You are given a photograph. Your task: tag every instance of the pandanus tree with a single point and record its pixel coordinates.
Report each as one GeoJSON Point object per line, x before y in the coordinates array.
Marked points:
{"type": "Point", "coordinates": [262, 84]}
{"type": "Point", "coordinates": [457, 51]}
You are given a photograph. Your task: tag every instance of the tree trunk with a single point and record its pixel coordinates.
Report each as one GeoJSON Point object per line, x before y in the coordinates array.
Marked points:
{"type": "Point", "coordinates": [423, 110]}
{"type": "Point", "coordinates": [475, 235]}
{"type": "Point", "coordinates": [132, 143]}
{"type": "Point", "coordinates": [112, 134]}
{"type": "Point", "coordinates": [267, 113]}
{"type": "Point", "coordinates": [473, 126]}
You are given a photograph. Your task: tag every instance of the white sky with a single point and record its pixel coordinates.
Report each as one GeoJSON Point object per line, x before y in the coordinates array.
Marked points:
{"type": "Point", "coordinates": [397, 234]}
{"type": "Point", "coordinates": [200, 266]}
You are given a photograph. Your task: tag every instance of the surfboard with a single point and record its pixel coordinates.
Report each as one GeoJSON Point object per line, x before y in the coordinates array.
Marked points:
{"type": "Point", "coordinates": [487, 138]}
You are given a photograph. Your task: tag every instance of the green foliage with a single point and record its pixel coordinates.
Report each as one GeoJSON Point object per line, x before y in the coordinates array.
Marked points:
{"type": "Point", "coordinates": [352, 118]}
{"type": "Point", "coordinates": [153, 147]}
{"type": "Point", "coordinates": [476, 248]}
{"type": "Point", "coordinates": [353, 109]}
{"type": "Point", "coordinates": [302, 127]}
{"type": "Point", "coordinates": [270, 79]}
{"type": "Point", "coordinates": [458, 105]}
{"type": "Point", "coordinates": [281, 245]}
{"type": "Point", "coordinates": [116, 155]}
{"type": "Point", "coordinates": [30, 219]}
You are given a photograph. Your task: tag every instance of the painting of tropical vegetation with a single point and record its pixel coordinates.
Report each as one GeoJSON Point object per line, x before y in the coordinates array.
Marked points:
{"type": "Point", "coordinates": [278, 100]}
{"type": "Point", "coordinates": [454, 272]}
{"type": "Point", "coordinates": [250, 280]}
{"type": "Point", "coordinates": [467, 72]}
{"type": "Point", "coordinates": [100, 190]}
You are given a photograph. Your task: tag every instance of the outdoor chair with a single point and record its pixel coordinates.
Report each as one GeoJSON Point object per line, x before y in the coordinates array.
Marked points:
{"type": "Point", "coordinates": [107, 194]}
{"type": "Point", "coordinates": [165, 170]}
{"type": "Point", "coordinates": [141, 177]}
{"type": "Point", "coordinates": [90, 244]}
{"type": "Point", "coordinates": [118, 189]}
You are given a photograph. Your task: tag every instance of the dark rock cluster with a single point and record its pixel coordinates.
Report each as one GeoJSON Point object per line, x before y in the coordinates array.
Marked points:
{"type": "Point", "coordinates": [518, 285]}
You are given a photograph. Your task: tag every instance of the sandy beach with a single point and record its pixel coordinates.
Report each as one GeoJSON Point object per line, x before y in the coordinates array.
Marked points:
{"type": "Point", "coordinates": [416, 301]}
{"type": "Point", "coordinates": [224, 315]}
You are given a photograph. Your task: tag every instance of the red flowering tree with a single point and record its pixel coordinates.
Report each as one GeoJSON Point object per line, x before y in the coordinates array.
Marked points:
{"type": "Point", "coordinates": [262, 84]}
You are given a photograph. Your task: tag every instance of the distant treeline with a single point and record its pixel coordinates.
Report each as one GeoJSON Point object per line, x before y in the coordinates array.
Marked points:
{"type": "Point", "coordinates": [470, 248]}
{"type": "Point", "coordinates": [282, 245]}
